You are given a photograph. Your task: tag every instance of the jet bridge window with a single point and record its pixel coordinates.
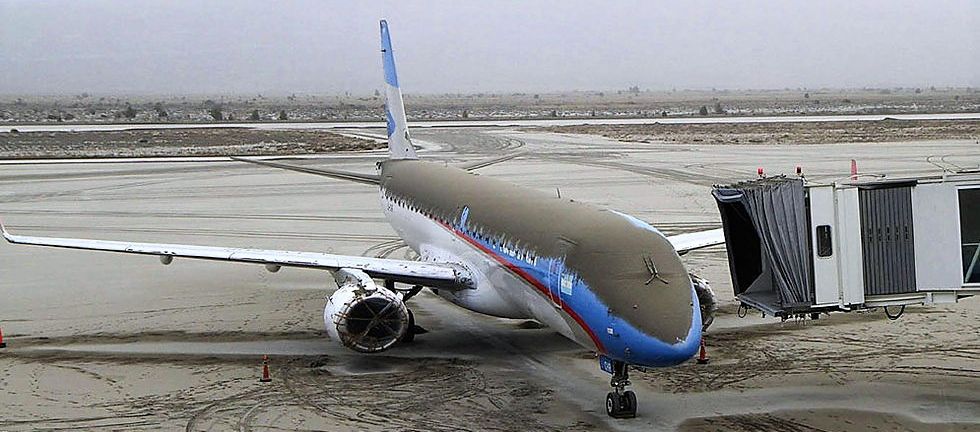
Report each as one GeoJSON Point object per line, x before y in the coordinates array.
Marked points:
{"type": "Point", "coordinates": [970, 234]}
{"type": "Point", "coordinates": [825, 242]}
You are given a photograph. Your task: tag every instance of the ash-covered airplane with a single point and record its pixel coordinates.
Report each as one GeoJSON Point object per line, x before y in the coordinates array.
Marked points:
{"type": "Point", "coordinates": [606, 280]}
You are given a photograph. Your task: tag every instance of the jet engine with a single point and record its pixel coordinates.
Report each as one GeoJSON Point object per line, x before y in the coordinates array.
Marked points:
{"type": "Point", "coordinates": [363, 316]}
{"type": "Point", "coordinates": [707, 299]}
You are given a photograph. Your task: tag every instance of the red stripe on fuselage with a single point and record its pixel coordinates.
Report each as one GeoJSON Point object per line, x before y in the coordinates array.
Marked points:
{"type": "Point", "coordinates": [531, 280]}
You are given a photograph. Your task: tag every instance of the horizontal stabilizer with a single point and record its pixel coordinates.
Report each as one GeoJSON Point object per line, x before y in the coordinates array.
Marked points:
{"type": "Point", "coordinates": [483, 163]}
{"type": "Point", "coordinates": [371, 179]}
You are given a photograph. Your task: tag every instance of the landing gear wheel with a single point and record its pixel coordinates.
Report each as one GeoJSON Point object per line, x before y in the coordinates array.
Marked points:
{"type": "Point", "coordinates": [409, 335]}
{"type": "Point", "coordinates": [620, 403]}
{"type": "Point", "coordinates": [613, 402]}
{"type": "Point", "coordinates": [629, 402]}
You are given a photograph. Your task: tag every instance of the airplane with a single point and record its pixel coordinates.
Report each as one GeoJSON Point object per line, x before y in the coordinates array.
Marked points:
{"type": "Point", "coordinates": [606, 280]}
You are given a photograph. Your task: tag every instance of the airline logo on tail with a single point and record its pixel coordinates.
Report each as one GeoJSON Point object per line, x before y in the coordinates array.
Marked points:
{"type": "Point", "coordinates": [399, 143]}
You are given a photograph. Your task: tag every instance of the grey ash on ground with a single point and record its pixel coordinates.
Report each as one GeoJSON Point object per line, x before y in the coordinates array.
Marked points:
{"type": "Point", "coordinates": [784, 133]}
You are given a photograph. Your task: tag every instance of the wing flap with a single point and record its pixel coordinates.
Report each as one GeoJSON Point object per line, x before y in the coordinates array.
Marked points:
{"type": "Point", "coordinates": [439, 275]}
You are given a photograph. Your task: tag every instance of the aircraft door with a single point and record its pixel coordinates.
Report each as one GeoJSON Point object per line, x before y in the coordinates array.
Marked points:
{"type": "Point", "coordinates": [560, 281]}
{"type": "Point", "coordinates": [555, 271]}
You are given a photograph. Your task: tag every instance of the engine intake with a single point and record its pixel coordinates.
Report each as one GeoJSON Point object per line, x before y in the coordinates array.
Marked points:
{"type": "Point", "coordinates": [362, 316]}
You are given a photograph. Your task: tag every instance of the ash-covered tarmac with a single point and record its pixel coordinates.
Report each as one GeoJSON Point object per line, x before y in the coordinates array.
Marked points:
{"type": "Point", "coordinates": [105, 341]}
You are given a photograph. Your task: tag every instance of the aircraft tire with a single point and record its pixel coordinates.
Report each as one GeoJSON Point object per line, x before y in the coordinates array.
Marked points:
{"type": "Point", "coordinates": [613, 404]}
{"type": "Point", "coordinates": [629, 404]}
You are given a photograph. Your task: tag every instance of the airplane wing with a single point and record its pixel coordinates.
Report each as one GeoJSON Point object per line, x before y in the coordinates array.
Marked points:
{"type": "Point", "coordinates": [437, 275]}
{"type": "Point", "coordinates": [684, 243]}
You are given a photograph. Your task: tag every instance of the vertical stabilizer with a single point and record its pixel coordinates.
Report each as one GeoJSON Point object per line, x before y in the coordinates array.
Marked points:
{"type": "Point", "coordinates": [399, 143]}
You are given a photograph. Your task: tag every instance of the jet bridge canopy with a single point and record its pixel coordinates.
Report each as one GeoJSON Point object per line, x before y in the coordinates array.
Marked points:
{"type": "Point", "coordinates": [765, 222]}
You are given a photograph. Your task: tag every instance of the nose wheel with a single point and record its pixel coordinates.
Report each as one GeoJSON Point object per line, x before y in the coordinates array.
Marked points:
{"type": "Point", "coordinates": [620, 403]}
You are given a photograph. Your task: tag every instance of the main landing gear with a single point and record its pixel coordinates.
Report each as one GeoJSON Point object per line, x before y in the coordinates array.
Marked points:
{"type": "Point", "coordinates": [620, 403]}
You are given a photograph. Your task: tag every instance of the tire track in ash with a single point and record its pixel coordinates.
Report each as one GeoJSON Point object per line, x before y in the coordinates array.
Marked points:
{"type": "Point", "coordinates": [47, 196]}
{"type": "Point", "coordinates": [434, 394]}
{"type": "Point", "coordinates": [684, 176]}
{"type": "Point", "coordinates": [198, 167]}
{"type": "Point", "coordinates": [209, 172]}
{"type": "Point", "coordinates": [73, 193]}
{"type": "Point", "coordinates": [837, 349]}
{"type": "Point", "coordinates": [386, 249]}
{"type": "Point", "coordinates": [461, 142]}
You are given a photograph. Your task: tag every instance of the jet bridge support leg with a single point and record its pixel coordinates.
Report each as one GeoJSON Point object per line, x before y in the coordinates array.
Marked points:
{"type": "Point", "coordinates": [620, 403]}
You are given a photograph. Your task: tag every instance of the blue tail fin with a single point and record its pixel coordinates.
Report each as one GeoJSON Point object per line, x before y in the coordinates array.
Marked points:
{"type": "Point", "coordinates": [399, 142]}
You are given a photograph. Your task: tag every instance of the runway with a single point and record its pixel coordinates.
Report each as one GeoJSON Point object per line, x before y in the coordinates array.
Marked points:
{"type": "Point", "coordinates": [494, 123]}
{"type": "Point", "coordinates": [104, 341]}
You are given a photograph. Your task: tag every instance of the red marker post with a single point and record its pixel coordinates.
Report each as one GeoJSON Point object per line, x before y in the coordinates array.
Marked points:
{"type": "Point", "coordinates": [266, 377]}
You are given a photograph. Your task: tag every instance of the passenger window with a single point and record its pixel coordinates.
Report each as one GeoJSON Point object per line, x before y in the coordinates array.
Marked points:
{"type": "Point", "coordinates": [825, 242]}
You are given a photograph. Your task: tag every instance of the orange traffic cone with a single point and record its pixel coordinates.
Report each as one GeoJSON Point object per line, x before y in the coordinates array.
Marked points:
{"type": "Point", "coordinates": [2, 343]}
{"type": "Point", "coordinates": [703, 354]}
{"type": "Point", "coordinates": [265, 370]}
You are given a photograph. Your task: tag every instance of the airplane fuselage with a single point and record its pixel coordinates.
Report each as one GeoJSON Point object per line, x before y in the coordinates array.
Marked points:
{"type": "Point", "coordinates": [603, 279]}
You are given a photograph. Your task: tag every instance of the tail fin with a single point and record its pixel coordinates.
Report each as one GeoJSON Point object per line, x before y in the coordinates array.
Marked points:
{"type": "Point", "coordinates": [399, 143]}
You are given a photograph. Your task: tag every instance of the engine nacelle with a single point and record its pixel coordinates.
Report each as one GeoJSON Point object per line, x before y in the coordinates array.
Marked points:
{"type": "Point", "coordinates": [363, 316]}
{"type": "Point", "coordinates": [707, 299]}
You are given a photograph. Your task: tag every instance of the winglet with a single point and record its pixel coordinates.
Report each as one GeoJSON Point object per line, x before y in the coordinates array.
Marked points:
{"type": "Point", "coordinates": [399, 142]}
{"type": "Point", "coordinates": [3, 230]}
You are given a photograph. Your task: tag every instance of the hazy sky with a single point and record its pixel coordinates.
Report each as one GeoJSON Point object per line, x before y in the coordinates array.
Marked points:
{"type": "Point", "coordinates": [276, 47]}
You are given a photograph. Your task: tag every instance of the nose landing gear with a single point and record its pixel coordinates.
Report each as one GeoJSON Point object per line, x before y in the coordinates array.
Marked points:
{"type": "Point", "coordinates": [620, 403]}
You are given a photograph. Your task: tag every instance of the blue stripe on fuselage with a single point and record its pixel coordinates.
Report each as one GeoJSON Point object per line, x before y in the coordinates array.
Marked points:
{"type": "Point", "coordinates": [617, 338]}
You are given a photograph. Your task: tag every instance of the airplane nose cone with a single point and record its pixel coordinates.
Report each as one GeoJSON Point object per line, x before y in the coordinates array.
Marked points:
{"type": "Point", "coordinates": [687, 347]}
{"type": "Point", "coordinates": [642, 348]}
{"type": "Point", "coordinates": [660, 353]}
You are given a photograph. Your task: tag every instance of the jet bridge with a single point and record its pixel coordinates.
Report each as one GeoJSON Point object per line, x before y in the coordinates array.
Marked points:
{"type": "Point", "coordinates": [798, 248]}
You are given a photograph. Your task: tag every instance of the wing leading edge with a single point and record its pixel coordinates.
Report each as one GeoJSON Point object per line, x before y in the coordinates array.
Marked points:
{"type": "Point", "coordinates": [437, 275]}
